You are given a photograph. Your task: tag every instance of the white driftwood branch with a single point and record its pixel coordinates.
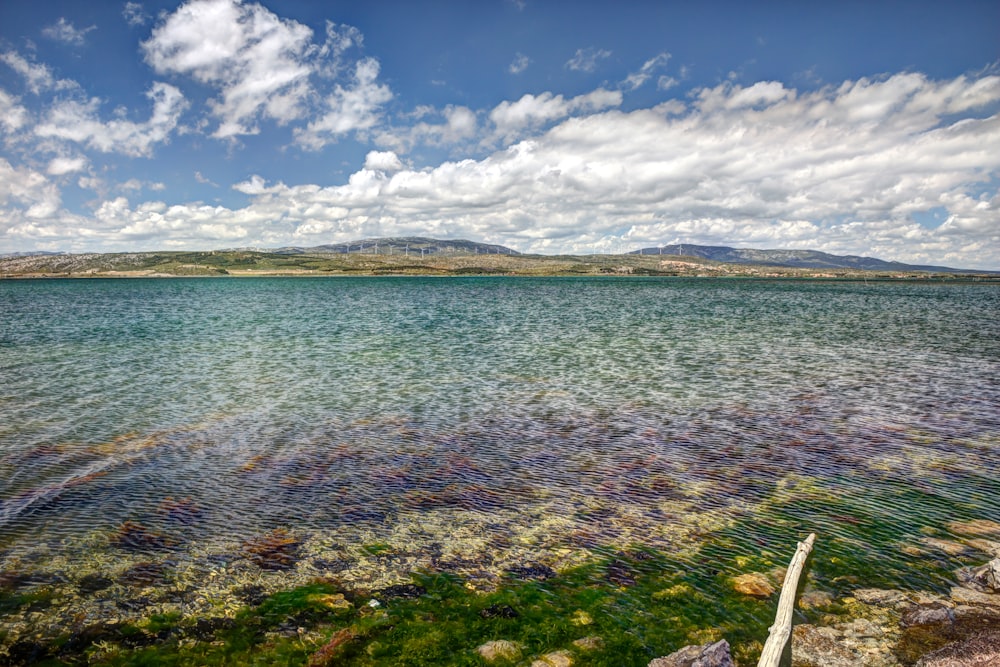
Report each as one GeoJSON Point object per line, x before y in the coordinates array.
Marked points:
{"type": "Point", "coordinates": [778, 634]}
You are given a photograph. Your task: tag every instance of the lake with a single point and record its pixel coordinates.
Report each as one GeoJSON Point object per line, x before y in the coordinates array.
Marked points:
{"type": "Point", "coordinates": [238, 436]}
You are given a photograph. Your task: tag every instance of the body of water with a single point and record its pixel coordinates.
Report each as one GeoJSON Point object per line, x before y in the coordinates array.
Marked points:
{"type": "Point", "coordinates": [480, 426]}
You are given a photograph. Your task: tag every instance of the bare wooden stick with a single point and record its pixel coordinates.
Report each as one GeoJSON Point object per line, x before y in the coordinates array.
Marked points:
{"type": "Point", "coordinates": [779, 632]}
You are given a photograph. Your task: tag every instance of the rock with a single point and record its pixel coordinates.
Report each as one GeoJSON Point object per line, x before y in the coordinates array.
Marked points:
{"type": "Point", "coordinates": [591, 643]}
{"type": "Point", "coordinates": [879, 596]}
{"type": "Point", "coordinates": [981, 650]}
{"type": "Point", "coordinates": [861, 628]}
{"type": "Point", "coordinates": [985, 579]}
{"type": "Point", "coordinates": [986, 546]}
{"type": "Point", "coordinates": [968, 596]}
{"type": "Point", "coordinates": [754, 583]}
{"type": "Point", "coordinates": [499, 648]}
{"type": "Point", "coordinates": [499, 611]}
{"type": "Point", "coordinates": [814, 599]}
{"type": "Point", "coordinates": [935, 615]}
{"type": "Point", "coordinates": [947, 546]}
{"type": "Point", "coordinates": [813, 645]}
{"type": "Point", "coordinates": [708, 655]}
{"type": "Point", "coordinates": [555, 659]}
{"type": "Point", "coordinates": [975, 527]}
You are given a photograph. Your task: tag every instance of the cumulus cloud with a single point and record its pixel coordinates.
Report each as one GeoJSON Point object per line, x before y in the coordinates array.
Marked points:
{"type": "Point", "coordinates": [37, 77]}
{"type": "Point", "coordinates": [254, 57]}
{"type": "Point", "coordinates": [78, 122]}
{"type": "Point", "coordinates": [263, 67]}
{"type": "Point", "coordinates": [13, 116]}
{"type": "Point", "coordinates": [382, 161]}
{"type": "Point", "coordinates": [456, 125]}
{"type": "Point", "coordinates": [26, 194]}
{"type": "Point", "coordinates": [843, 169]}
{"type": "Point", "coordinates": [66, 165]}
{"type": "Point", "coordinates": [585, 60]}
{"type": "Point", "coordinates": [64, 31]}
{"type": "Point", "coordinates": [350, 109]}
{"type": "Point", "coordinates": [531, 111]}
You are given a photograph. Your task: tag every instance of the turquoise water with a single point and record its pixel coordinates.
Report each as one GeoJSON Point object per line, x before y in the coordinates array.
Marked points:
{"type": "Point", "coordinates": [477, 424]}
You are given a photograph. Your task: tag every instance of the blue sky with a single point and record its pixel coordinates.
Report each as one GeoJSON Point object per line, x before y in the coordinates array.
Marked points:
{"type": "Point", "coordinates": [854, 127]}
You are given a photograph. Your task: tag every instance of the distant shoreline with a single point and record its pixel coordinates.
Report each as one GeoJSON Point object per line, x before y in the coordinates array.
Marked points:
{"type": "Point", "coordinates": [240, 264]}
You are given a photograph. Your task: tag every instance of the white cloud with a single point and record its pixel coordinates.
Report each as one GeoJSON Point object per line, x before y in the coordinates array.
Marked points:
{"type": "Point", "coordinates": [204, 180]}
{"type": "Point", "coordinates": [13, 116]}
{"type": "Point", "coordinates": [26, 194]}
{"type": "Point", "coordinates": [382, 161]}
{"type": "Point", "coordinates": [519, 64]}
{"type": "Point", "coordinates": [636, 79]}
{"type": "Point", "coordinates": [134, 14]}
{"type": "Point", "coordinates": [78, 122]}
{"type": "Point", "coordinates": [66, 165]}
{"type": "Point", "coordinates": [842, 169]}
{"type": "Point", "coordinates": [37, 77]}
{"type": "Point", "coordinates": [585, 60]}
{"type": "Point", "coordinates": [64, 31]}
{"type": "Point", "coordinates": [457, 124]}
{"type": "Point", "coordinates": [532, 111]}
{"type": "Point", "coordinates": [348, 109]}
{"type": "Point", "coordinates": [254, 57]}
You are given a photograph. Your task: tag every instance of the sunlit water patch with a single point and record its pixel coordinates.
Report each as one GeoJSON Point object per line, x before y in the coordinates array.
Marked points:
{"type": "Point", "coordinates": [189, 445]}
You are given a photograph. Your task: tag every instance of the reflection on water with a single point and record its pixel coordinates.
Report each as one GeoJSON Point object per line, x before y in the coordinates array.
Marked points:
{"type": "Point", "coordinates": [203, 435]}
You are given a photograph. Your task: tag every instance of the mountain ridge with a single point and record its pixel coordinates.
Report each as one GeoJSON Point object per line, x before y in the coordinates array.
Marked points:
{"type": "Point", "coordinates": [791, 258]}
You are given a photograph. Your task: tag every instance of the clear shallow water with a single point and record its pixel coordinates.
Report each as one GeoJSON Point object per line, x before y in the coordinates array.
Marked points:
{"type": "Point", "coordinates": [478, 424]}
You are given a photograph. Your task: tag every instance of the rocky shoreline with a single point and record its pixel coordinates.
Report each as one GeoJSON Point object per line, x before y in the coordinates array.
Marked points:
{"type": "Point", "coordinates": [893, 628]}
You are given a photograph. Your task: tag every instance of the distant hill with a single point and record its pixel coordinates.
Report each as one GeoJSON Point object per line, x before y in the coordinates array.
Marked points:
{"type": "Point", "coordinates": [406, 245]}
{"type": "Point", "coordinates": [802, 259]}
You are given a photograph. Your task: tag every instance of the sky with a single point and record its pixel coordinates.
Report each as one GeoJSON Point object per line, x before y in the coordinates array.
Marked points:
{"type": "Point", "coordinates": [865, 128]}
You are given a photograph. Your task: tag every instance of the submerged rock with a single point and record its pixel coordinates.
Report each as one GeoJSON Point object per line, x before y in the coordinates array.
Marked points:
{"type": "Point", "coordinates": [499, 611]}
{"type": "Point", "coordinates": [754, 584]}
{"type": "Point", "coordinates": [975, 527]}
{"type": "Point", "coordinates": [499, 649]}
{"type": "Point", "coordinates": [879, 596]}
{"type": "Point", "coordinates": [277, 550]}
{"type": "Point", "coordinates": [92, 583]}
{"type": "Point", "coordinates": [532, 571]}
{"type": "Point", "coordinates": [554, 659]}
{"type": "Point", "coordinates": [707, 655]}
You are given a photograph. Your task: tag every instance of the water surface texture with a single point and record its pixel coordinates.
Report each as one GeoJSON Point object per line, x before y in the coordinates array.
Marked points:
{"type": "Point", "coordinates": [481, 425]}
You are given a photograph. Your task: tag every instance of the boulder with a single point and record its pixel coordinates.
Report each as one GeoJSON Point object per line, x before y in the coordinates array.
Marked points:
{"type": "Point", "coordinates": [708, 655]}
{"type": "Point", "coordinates": [933, 615]}
{"type": "Point", "coordinates": [985, 579]}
